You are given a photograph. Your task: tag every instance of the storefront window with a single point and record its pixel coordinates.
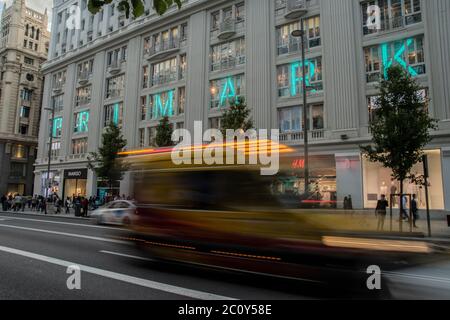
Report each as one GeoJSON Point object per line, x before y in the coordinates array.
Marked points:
{"type": "Point", "coordinates": [378, 181]}
{"type": "Point", "coordinates": [289, 184]}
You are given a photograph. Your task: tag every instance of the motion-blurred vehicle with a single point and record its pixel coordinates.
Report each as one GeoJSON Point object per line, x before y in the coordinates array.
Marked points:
{"type": "Point", "coordinates": [118, 212]}
{"type": "Point", "coordinates": [227, 216]}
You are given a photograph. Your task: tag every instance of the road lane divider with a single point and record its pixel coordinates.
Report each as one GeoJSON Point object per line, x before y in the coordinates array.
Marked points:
{"type": "Point", "coordinates": [66, 234]}
{"type": "Point", "coordinates": [125, 255]}
{"type": "Point", "coordinates": [59, 222]}
{"type": "Point", "coordinates": [181, 291]}
{"type": "Point", "coordinates": [418, 277]}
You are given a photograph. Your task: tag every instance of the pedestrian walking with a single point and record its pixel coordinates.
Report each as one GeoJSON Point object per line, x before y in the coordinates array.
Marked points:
{"type": "Point", "coordinates": [381, 212]}
{"type": "Point", "coordinates": [403, 214]}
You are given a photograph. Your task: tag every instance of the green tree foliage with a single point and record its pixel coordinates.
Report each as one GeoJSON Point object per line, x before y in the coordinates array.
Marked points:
{"type": "Point", "coordinates": [135, 6]}
{"type": "Point", "coordinates": [164, 133]}
{"type": "Point", "coordinates": [237, 116]}
{"type": "Point", "coordinates": [104, 162]}
{"type": "Point", "coordinates": [401, 125]}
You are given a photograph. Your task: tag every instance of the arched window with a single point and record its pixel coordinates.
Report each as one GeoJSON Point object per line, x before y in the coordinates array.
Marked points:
{"type": "Point", "coordinates": [26, 30]}
{"type": "Point", "coordinates": [37, 34]}
{"type": "Point", "coordinates": [32, 32]}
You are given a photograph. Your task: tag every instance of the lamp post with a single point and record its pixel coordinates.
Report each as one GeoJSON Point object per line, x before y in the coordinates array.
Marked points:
{"type": "Point", "coordinates": [301, 34]}
{"type": "Point", "coordinates": [49, 154]}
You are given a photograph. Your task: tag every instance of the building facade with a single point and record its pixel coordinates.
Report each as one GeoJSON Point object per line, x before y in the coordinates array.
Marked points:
{"type": "Point", "coordinates": [190, 63]}
{"type": "Point", "coordinates": [24, 41]}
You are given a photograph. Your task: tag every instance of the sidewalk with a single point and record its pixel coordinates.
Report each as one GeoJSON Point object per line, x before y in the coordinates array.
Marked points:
{"type": "Point", "coordinates": [365, 220]}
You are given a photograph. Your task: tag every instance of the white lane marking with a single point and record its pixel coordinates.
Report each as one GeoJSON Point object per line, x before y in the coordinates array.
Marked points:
{"type": "Point", "coordinates": [64, 234]}
{"type": "Point", "coordinates": [121, 277]}
{"type": "Point", "coordinates": [418, 277]}
{"type": "Point", "coordinates": [125, 255]}
{"type": "Point", "coordinates": [58, 222]}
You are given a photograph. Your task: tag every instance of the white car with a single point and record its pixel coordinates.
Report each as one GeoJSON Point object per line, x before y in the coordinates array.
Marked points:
{"type": "Point", "coordinates": [115, 213]}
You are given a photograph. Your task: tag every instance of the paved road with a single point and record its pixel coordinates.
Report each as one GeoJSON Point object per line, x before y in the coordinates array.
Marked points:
{"type": "Point", "coordinates": [35, 253]}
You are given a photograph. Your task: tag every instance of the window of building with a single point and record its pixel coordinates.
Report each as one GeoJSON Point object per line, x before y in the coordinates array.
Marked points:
{"type": "Point", "coordinates": [113, 114]}
{"type": "Point", "coordinates": [18, 170]}
{"type": "Point", "coordinates": [161, 105]}
{"type": "Point", "coordinates": [286, 43]}
{"type": "Point", "coordinates": [56, 149]}
{"type": "Point", "coordinates": [290, 78]}
{"type": "Point", "coordinates": [59, 79]}
{"type": "Point", "coordinates": [57, 127]}
{"type": "Point", "coordinates": [408, 53]}
{"type": "Point", "coordinates": [215, 123]}
{"type": "Point", "coordinates": [395, 14]}
{"type": "Point", "coordinates": [85, 69]}
{"type": "Point", "coordinates": [181, 100]}
{"type": "Point", "coordinates": [141, 138]}
{"type": "Point", "coordinates": [144, 108]}
{"type": "Point", "coordinates": [79, 146]}
{"type": "Point", "coordinates": [152, 136]}
{"type": "Point", "coordinates": [58, 103]}
{"type": "Point", "coordinates": [165, 72]}
{"type": "Point", "coordinates": [26, 94]}
{"type": "Point", "coordinates": [23, 129]}
{"type": "Point", "coordinates": [184, 31]}
{"type": "Point", "coordinates": [215, 20]}
{"type": "Point", "coordinates": [228, 55]}
{"type": "Point", "coordinates": [83, 95]}
{"type": "Point", "coordinates": [145, 77]}
{"type": "Point", "coordinates": [29, 61]}
{"type": "Point", "coordinates": [19, 151]}
{"type": "Point", "coordinates": [25, 112]}
{"type": "Point", "coordinates": [183, 66]}
{"type": "Point", "coordinates": [81, 124]}
{"type": "Point", "coordinates": [291, 118]}
{"type": "Point", "coordinates": [223, 91]}
{"type": "Point", "coordinates": [115, 87]}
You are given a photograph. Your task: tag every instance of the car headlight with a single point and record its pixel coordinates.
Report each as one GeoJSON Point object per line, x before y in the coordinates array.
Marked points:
{"type": "Point", "coordinates": [377, 244]}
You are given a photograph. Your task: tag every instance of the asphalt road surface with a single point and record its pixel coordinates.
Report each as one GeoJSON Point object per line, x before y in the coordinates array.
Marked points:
{"type": "Point", "coordinates": [36, 253]}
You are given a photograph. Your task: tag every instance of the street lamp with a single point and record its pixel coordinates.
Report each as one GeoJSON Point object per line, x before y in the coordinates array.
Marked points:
{"type": "Point", "coordinates": [49, 154]}
{"type": "Point", "coordinates": [301, 34]}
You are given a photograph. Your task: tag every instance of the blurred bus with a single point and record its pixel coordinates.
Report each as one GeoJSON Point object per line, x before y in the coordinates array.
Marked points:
{"type": "Point", "coordinates": [228, 216]}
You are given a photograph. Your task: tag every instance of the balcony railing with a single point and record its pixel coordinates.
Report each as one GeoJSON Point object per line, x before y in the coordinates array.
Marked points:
{"type": "Point", "coordinates": [115, 67]}
{"type": "Point", "coordinates": [113, 93]}
{"type": "Point", "coordinates": [227, 29]}
{"type": "Point", "coordinates": [228, 63]}
{"type": "Point", "coordinates": [388, 24]}
{"type": "Point", "coordinates": [295, 9]}
{"type": "Point", "coordinates": [58, 86]}
{"type": "Point", "coordinates": [83, 77]}
{"type": "Point", "coordinates": [81, 101]}
{"type": "Point", "coordinates": [297, 137]}
{"type": "Point", "coordinates": [163, 48]}
{"type": "Point", "coordinates": [164, 78]}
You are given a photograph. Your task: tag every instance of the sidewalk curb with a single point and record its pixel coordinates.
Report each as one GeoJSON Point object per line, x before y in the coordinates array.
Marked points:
{"type": "Point", "coordinates": [62, 215]}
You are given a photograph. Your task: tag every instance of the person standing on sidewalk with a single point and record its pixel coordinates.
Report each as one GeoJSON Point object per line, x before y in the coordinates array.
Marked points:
{"type": "Point", "coordinates": [381, 212]}
{"type": "Point", "coordinates": [85, 205]}
{"type": "Point", "coordinates": [4, 202]}
{"type": "Point", "coordinates": [414, 210]}
{"type": "Point", "coordinates": [67, 205]}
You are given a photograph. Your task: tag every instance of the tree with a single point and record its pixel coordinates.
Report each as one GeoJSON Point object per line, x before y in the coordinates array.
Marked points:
{"type": "Point", "coordinates": [237, 116]}
{"type": "Point", "coordinates": [104, 162]}
{"type": "Point", "coordinates": [164, 133]}
{"type": "Point", "coordinates": [401, 125]}
{"type": "Point", "coordinates": [136, 6]}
